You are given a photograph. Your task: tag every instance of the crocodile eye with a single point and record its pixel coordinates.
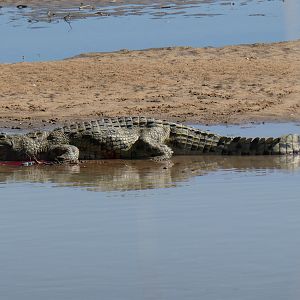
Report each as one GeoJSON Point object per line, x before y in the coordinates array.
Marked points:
{"type": "Point", "coordinates": [3, 136]}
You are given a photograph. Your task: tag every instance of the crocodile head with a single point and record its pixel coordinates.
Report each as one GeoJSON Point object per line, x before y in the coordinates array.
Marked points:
{"type": "Point", "coordinates": [7, 147]}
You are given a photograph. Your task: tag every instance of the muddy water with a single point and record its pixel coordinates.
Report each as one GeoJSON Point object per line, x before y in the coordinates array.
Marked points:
{"type": "Point", "coordinates": [195, 228]}
{"type": "Point", "coordinates": [30, 35]}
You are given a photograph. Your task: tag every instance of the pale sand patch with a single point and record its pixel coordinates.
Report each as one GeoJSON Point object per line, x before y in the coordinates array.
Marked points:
{"type": "Point", "coordinates": [205, 85]}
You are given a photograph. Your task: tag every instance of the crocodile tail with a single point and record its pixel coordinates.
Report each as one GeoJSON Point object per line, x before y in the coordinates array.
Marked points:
{"type": "Point", "coordinates": [287, 144]}
{"type": "Point", "coordinates": [186, 140]}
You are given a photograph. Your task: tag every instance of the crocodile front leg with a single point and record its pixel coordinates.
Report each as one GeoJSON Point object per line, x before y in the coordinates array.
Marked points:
{"type": "Point", "coordinates": [64, 153]}
{"type": "Point", "coordinates": [154, 140]}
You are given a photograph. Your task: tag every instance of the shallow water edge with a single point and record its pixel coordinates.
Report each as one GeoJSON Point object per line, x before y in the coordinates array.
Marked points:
{"type": "Point", "coordinates": [125, 175]}
{"type": "Point", "coordinates": [30, 34]}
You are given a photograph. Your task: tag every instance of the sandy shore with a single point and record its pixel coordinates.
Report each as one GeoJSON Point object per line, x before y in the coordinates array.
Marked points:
{"type": "Point", "coordinates": [234, 84]}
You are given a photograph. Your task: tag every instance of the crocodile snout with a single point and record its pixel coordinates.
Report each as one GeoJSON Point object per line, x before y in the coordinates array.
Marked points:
{"type": "Point", "coordinates": [5, 143]}
{"type": "Point", "coordinates": [5, 147]}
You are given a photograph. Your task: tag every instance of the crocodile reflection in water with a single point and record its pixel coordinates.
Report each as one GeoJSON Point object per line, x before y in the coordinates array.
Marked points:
{"type": "Point", "coordinates": [120, 175]}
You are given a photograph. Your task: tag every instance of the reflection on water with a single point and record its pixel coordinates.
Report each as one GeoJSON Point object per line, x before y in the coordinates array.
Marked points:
{"type": "Point", "coordinates": [232, 233]}
{"type": "Point", "coordinates": [30, 35]}
{"type": "Point", "coordinates": [120, 175]}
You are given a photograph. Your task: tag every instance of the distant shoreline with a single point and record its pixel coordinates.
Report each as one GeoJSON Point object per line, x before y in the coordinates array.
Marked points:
{"type": "Point", "coordinates": [51, 10]}
{"type": "Point", "coordinates": [235, 84]}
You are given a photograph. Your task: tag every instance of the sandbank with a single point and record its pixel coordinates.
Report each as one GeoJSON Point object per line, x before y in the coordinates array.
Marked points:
{"type": "Point", "coordinates": [234, 84]}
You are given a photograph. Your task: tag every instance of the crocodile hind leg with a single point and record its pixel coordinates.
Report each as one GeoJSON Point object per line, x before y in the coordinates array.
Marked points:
{"type": "Point", "coordinates": [153, 140]}
{"type": "Point", "coordinates": [159, 152]}
{"type": "Point", "coordinates": [64, 154]}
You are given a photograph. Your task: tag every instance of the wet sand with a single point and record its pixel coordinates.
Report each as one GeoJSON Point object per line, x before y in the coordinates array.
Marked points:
{"type": "Point", "coordinates": [235, 84]}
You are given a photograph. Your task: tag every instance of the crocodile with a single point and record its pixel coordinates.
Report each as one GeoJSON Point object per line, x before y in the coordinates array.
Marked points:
{"type": "Point", "coordinates": [134, 137]}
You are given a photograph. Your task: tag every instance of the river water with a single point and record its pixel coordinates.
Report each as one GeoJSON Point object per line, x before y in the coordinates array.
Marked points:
{"type": "Point", "coordinates": [29, 35]}
{"type": "Point", "coordinates": [197, 228]}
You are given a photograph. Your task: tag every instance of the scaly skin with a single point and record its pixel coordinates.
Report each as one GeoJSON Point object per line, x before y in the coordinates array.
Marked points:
{"type": "Point", "coordinates": [134, 137]}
